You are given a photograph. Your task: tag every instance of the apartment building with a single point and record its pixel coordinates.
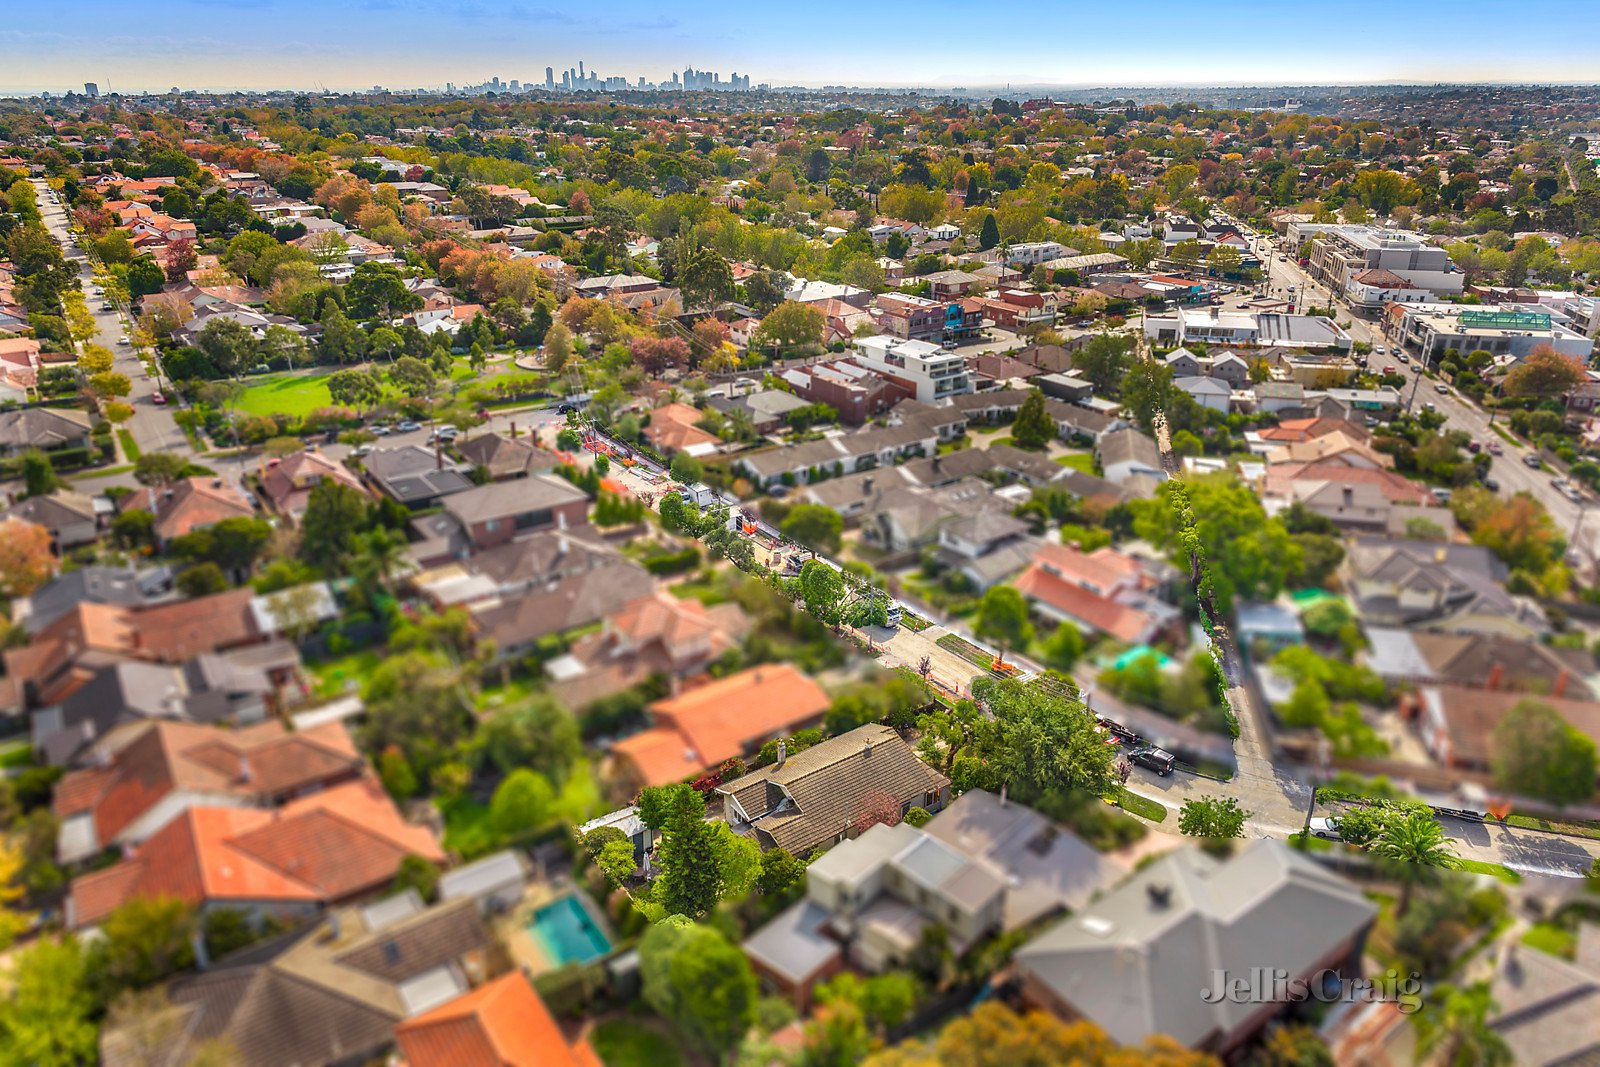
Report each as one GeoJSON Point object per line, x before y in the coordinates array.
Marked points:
{"type": "Point", "coordinates": [1344, 257]}
{"type": "Point", "coordinates": [931, 372]}
{"type": "Point", "coordinates": [1432, 329]}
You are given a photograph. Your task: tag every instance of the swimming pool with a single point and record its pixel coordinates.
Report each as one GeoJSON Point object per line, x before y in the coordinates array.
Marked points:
{"type": "Point", "coordinates": [566, 933]}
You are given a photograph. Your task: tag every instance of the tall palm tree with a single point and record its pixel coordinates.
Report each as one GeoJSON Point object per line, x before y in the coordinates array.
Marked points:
{"type": "Point", "coordinates": [377, 555]}
{"type": "Point", "coordinates": [1453, 1029]}
{"type": "Point", "coordinates": [1414, 838]}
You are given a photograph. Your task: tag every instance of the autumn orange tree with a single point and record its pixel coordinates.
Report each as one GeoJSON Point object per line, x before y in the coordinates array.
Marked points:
{"type": "Point", "coordinates": [995, 1036]}
{"type": "Point", "coordinates": [26, 561]}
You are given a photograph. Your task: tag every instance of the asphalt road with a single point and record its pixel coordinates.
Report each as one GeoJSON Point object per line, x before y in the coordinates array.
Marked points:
{"type": "Point", "coordinates": [152, 426]}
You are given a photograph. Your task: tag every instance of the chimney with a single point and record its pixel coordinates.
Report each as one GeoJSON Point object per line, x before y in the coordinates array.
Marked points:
{"type": "Point", "coordinates": [867, 749]}
{"type": "Point", "coordinates": [1560, 688]}
{"type": "Point", "coordinates": [866, 487]}
{"type": "Point", "coordinates": [783, 754]}
{"type": "Point", "coordinates": [1160, 894]}
{"type": "Point", "coordinates": [245, 773]}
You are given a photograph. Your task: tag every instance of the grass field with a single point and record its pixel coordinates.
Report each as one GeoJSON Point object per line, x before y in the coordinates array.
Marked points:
{"type": "Point", "coordinates": [634, 1043]}
{"type": "Point", "coordinates": [1078, 461]}
{"type": "Point", "coordinates": [285, 394]}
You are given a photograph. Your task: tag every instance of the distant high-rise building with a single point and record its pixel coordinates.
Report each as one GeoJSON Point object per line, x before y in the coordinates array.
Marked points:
{"type": "Point", "coordinates": [91, 89]}
{"type": "Point", "coordinates": [566, 80]}
{"type": "Point", "coordinates": [549, 77]}
{"type": "Point", "coordinates": [516, 86]}
{"type": "Point", "coordinates": [580, 70]}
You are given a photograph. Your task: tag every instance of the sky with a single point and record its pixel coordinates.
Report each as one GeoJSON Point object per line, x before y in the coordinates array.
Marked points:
{"type": "Point", "coordinates": [57, 45]}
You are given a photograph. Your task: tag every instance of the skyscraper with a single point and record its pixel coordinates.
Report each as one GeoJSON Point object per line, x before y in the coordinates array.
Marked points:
{"type": "Point", "coordinates": [549, 77]}
{"type": "Point", "coordinates": [91, 89]}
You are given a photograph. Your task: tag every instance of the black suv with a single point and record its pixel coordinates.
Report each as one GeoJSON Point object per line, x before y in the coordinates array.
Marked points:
{"type": "Point", "coordinates": [1157, 759]}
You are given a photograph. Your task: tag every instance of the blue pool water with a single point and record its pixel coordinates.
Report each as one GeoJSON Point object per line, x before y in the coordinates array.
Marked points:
{"type": "Point", "coordinates": [566, 932]}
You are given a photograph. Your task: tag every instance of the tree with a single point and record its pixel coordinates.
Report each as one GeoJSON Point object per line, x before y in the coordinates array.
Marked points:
{"type": "Point", "coordinates": [26, 561]}
{"type": "Point", "coordinates": [1216, 818]}
{"type": "Point", "coordinates": [988, 232]}
{"type": "Point", "coordinates": [335, 513]}
{"type": "Point", "coordinates": [703, 277]}
{"type": "Point", "coordinates": [1413, 837]}
{"type": "Point", "coordinates": [1033, 428]}
{"type": "Point", "coordinates": [781, 871]}
{"type": "Point", "coordinates": [816, 526]}
{"type": "Point", "coordinates": [342, 340]}
{"type": "Point", "coordinates": [47, 1017]}
{"type": "Point", "coordinates": [378, 291]}
{"type": "Point", "coordinates": [411, 376]}
{"type": "Point", "coordinates": [419, 706]}
{"type": "Point", "coordinates": [145, 939]}
{"type": "Point", "coordinates": [1103, 361]}
{"type": "Point", "coordinates": [537, 733]}
{"type": "Point", "coordinates": [13, 921]}
{"type": "Point", "coordinates": [701, 982]}
{"type": "Point", "coordinates": [359, 388]}
{"type": "Point", "coordinates": [110, 384]}
{"type": "Point", "coordinates": [1544, 372]}
{"type": "Point", "coordinates": [1537, 753]}
{"type": "Point", "coordinates": [521, 804]}
{"type": "Point", "coordinates": [686, 469]}
{"type": "Point", "coordinates": [1453, 1029]}
{"type": "Point", "coordinates": [159, 468]}
{"type": "Point", "coordinates": [1003, 618]}
{"type": "Point", "coordinates": [229, 345]}
{"type": "Point", "coordinates": [822, 589]}
{"type": "Point", "coordinates": [181, 259]}
{"type": "Point", "coordinates": [38, 474]}
{"type": "Point", "coordinates": [1064, 647]}
{"type": "Point", "coordinates": [145, 276]}
{"type": "Point", "coordinates": [202, 579]}
{"type": "Point", "coordinates": [1039, 741]}
{"type": "Point", "coordinates": [789, 326]}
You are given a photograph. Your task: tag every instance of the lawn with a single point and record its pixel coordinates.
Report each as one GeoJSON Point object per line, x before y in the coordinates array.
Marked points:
{"type": "Point", "coordinates": [130, 447]}
{"type": "Point", "coordinates": [1499, 870]}
{"type": "Point", "coordinates": [634, 1043]}
{"type": "Point", "coordinates": [1134, 804]}
{"type": "Point", "coordinates": [335, 677]}
{"type": "Point", "coordinates": [285, 394]}
{"type": "Point", "coordinates": [1078, 461]}
{"type": "Point", "coordinates": [1553, 938]}
{"type": "Point", "coordinates": [1574, 827]}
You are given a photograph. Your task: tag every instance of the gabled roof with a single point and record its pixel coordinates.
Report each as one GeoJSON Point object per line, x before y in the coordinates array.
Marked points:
{"type": "Point", "coordinates": [502, 500]}
{"type": "Point", "coordinates": [42, 427]}
{"type": "Point", "coordinates": [502, 1023]}
{"type": "Point", "coordinates": [814, 795]}
{"type": "Point", "coordinates": [189, 504]}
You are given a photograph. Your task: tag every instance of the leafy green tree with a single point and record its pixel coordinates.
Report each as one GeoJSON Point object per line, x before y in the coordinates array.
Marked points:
{"type": "Point", "coordinates": [789, 326]}
{"type": "Point", "coordinates": [335, 514]}
{"type": "Point", "coordinates": [536, 733]}
{"type": "Point", "coordinates": [1033, 428]}
{"type": "Point", "coordinates": [144, 940]}
{"type": "Point", "coordinates": [781, 871]}
{"type": "Point", "coordinates": [816, 526]}
{"type": "Point", "coordinates": [822, 589]}
{"type": "Point", "coordinates": [1537, 753]}
{"type": "Point", "coordinates": [701, 982]}
{"type": "Point", "coordinates": [411, 376]}
{"type": "Point", "coordinates": [703, 277]}
{"type": "Point", "coordinates": [38, 475]}
{"type": "Point", "coordinates": [1003, 618]}
{"type": "Point", "coordinates": [1216, 818]}
{"type": "Point", "coordinates": [1064, 647]}
{"type": "Point", "coordinates": [419, 873]}
{"type": "Point", "coordinates": [357, 388]}
{"type": "Point", "coordinates": [202, 579]}
{"type": "Point", "coordinates": [1039, 741]}
{"type": "Point", "coordinates": [229, 345]}
{"type": "Point", "coordinates": [47, 1017]}
{"type": "Point", "coordinates": [1249, 555]}
{"type": "Point", "coordinates": [378, 291]}
{"type": "Point", "coordinates": [1103, 361]}
{"type": "Point", "coordinates": [686, 469]}
{"type": "Point", "coordinates": [521, 804]}
{"type": "Point", "coordinates": [342, 340]}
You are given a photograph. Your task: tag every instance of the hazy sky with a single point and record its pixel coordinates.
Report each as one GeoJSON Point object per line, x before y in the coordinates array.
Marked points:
{"type": "Point", "coordinates": [344, 44]}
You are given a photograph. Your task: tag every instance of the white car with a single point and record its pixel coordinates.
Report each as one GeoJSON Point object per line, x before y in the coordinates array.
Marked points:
{"type": "Point", "coordinates": [1325, 828]}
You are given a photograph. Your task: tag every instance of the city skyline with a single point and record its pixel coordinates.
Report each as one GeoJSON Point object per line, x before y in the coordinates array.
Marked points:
{"type": "Point", "coordinates": [407, 44]}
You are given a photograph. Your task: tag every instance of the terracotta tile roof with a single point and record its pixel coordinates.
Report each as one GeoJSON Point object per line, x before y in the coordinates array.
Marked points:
{"type": "Point", "coordinates": [288, 485]}
{"type": "Point", "coordinates": [1108, 616]}
{"type": "Point", "coordinates": [188, 505]}
{"type": "Point", "coordinates": [1308, 429]}
{"type": "Point", "coordinates": [319, 849]}
{"type": "Point", "coordinates": [500, 1024]}
{"type": "Point", "coordinates": [161, 758]}
{"type": "Point", "coordinates": [672, 428]}
{"type": "Point", "coordinates": [720, 720]}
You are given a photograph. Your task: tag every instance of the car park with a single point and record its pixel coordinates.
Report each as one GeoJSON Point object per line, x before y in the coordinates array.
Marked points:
{"type": "Point", "coordinates": [1156, 759]}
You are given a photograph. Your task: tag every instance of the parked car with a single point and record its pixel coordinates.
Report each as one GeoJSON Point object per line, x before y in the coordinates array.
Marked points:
{"type": "Point", "coordinates": [1474, 447]}
{"type": "Point", "coordinates": [1388, 368]}
{"type": "Point", "coordinates": [1326, 828]}
{"type": "Point", "coordinates": [158, 398]}
{"type": "Point", "coordinates": [361, 450]}
{"type": "Point", "coordinates": [1380, 350]}
{"type": "Point", "coordinates": [1491, 485]}
{"type": "Point", "coordinates": [383, 430]}
{"type": "Point", "coordinates": [1531, 460]}
{"type": "Point", "coordinates": [1494, 448]}
{"type": "Point", "coordinates": [1156, 759]}
{"type": "Point", "coordinates": [1442, 389]}
{"type": "Point", "coordinates": [1402, 357]}
{"type": "Point", "coordinates": [408, 427]}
